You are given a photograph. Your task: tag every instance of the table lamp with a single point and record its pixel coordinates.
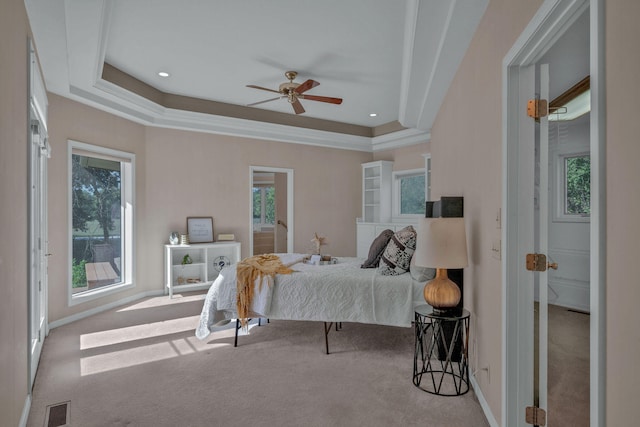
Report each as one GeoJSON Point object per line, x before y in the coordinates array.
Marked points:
{"type": "Point", "coordinates": [441, 244]}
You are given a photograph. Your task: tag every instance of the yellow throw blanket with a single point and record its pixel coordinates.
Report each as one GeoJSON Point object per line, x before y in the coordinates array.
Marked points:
{"type": "Point", "coordinates": [248, 271]}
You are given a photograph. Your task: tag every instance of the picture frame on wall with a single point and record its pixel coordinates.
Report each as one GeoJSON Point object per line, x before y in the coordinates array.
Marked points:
{"type": "Point", "coordinates": [200, 229]}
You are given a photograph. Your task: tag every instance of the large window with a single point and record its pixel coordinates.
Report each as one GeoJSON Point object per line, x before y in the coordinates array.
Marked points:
{"type": "Point", "coordinates": [101, 238]}
{"type": "Point", "coordinates": [409, 189]}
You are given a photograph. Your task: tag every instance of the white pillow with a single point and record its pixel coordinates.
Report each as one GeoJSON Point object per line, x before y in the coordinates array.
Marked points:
{"type": "Point", "coordinates": [421, 274]}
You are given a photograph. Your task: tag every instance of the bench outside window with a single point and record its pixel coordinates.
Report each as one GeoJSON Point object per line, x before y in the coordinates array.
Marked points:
{"type": "Point", "coordinates": [100, 274]}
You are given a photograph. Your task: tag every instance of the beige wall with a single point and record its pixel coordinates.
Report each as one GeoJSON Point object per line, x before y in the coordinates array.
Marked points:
{"type": "Point", "coordinates": [71, 120]}
{"type": "Point", "coordinates": [466, 149]}
{"type": "Point", "coordinates": [623, 201]}
{"type": "Point", "coordinates": [182, 173]}
{"type": "Point", "coordinates": [405, 158]}
{"type": "Point", "coordinates": [14, 33]}
{"type": "Point", "coordinates": [210, 176]}
{"type": "Point", "coordinates": [463, 135]}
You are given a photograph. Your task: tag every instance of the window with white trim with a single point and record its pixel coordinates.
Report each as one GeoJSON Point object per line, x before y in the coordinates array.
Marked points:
{"type": "Point", "coordinates": [574, 187]}
{"type": "Point", "coordinates": [101, 183]}
{"type": "Point", "coordinates": [409, 193]}
{"type": "Point", "coordinates": [264, 206]}
{"type": "Point", "coordinates": [577, 185]}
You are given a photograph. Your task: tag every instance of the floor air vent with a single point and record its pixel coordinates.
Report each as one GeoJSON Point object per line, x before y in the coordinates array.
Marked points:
{"type": "Point", "coordinates": [57, 415]}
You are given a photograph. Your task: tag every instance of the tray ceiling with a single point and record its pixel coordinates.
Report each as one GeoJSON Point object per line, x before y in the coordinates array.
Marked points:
{"type": "Point", "coordinates": [394, 59]}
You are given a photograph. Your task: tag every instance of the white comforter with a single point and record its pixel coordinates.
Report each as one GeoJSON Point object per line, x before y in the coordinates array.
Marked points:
{"type": "Point", "coordinates": [341, 292]}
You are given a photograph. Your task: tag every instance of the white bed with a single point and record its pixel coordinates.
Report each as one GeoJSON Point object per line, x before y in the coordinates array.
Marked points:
{"type": "Point", "coordinates": [341, 292]}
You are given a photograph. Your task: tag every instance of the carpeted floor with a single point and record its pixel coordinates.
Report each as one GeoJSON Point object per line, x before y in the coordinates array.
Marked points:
{"type": "Point", "coordinates": [141, 365]}
{"type": "Point", "coordinates": [568, 382]}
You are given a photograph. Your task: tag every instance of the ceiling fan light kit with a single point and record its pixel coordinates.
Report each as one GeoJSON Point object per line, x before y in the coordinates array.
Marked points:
{"type": "Point", "coordinates": [293, 92]}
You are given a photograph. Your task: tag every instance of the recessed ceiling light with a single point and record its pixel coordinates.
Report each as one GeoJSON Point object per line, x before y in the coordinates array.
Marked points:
{"type": "Point", "coordinates": [163, 74]}
{"type": "Point", "coordinates": [372, 114]}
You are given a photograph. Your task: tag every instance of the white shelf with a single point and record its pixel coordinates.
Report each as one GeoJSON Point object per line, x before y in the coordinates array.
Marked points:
{"type": "Point", "coordinates": [207, 260]}
{"type": "Point", "coordinates": [376, 191]}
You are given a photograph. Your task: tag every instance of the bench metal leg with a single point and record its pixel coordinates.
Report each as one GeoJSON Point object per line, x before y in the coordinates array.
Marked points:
{"type": "Point", "coordinates": [235, 343]}
{"type": "Point", "coordinates": [326, 335]}
{"type": "Point", "coordinates": [327, 329]}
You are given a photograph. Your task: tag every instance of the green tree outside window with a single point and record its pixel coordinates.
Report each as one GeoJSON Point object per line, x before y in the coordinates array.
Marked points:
{"type": "Point", "coordinates": [412, 195]}
{"type": "Point", "coordinates": [578, 185]}
{"type": "Point", "coordinates": [264, 200]}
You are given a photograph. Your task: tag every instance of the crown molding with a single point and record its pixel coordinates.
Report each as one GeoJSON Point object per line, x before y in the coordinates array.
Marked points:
{"type": "Point", "coordinates": [399, 139]}
{"type": "Point", "coordinates": [140, 109]}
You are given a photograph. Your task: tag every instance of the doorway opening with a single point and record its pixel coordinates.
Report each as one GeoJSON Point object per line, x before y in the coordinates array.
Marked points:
{"type": "Point", "coordinates": [39, 150]}
{"type": "Point", "coordinates": [520, 235]}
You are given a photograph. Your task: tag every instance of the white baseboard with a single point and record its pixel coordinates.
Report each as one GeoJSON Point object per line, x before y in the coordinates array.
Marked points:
{"type": "Point", "coordinates": [483, 403]}
{"type": "Point", "coordinates": [25, 411]}
{"type": "Point", "coordinates": [102, 308]}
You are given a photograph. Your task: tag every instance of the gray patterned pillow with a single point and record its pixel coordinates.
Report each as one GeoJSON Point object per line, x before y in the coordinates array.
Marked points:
{"type": "Point", "coordinates": [396, 257]}
{"type": "Point", "coordinates": [376, 249]}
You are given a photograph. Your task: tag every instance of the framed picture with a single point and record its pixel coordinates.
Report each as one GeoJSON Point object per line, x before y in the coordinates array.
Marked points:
{"type": "Point", "coordinates": [200, 229]}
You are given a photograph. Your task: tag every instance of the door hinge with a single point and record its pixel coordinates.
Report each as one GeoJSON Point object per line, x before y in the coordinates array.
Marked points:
{"type": "Point", "coordinates": [536, 262]}
{"type": "Point", "coordinates": [536, 416]}
{"type": "Point", "coordinates": [537, 108]}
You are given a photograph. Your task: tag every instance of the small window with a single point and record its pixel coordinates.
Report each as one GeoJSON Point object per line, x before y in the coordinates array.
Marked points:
{"type": "Point", "coordinates": [264, 206]}
{"type": "Point", "coordinates": [409, 193]}
{"type": "Point", "coordinates": [577, 191]}
{"type": "Point", "coordinates": [573, 187]}
{"type": "Point", "coordinates": [101, 238]}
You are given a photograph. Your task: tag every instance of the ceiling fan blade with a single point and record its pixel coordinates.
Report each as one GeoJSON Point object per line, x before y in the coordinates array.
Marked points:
{"type": "Point", "coordinates": [262, 88]}
{"type": "Point", "coordinates": [323, 99]}
{"type": "Point", "coordinates": [297, 107]}
{"type": "Point", "coordinates": [266, 100]}
{"type": "Point", "coordinates": [306, 86]}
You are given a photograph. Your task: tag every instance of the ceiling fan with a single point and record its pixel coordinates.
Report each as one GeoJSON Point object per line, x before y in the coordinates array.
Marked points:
{"type": "Point", "coordinates": [294, 92]}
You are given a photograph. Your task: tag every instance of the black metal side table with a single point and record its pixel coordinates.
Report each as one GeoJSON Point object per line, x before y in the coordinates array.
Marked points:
{"type": "Point", "coordinates": [441, 361]}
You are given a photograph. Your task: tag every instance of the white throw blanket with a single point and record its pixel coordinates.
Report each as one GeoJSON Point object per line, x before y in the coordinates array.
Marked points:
{"type": "Point", "coordinates": [341, 292]}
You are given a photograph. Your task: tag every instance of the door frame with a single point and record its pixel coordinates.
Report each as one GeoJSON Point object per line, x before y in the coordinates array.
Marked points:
{"type": "Point", "coordinates": [38, 153]}
{"type": "Point", "coordinates": [290, 226]}
{"type": "Point", "coordinates": [549, 23]}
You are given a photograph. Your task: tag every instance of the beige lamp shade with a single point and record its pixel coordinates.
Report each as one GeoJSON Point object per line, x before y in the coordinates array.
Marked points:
{"type": "Point", "coordinates": [441, 243]}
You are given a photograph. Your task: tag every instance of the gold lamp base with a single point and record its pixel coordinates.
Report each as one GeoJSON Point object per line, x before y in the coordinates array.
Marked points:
{"type": "Point", "coordinates": [441, 293]}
